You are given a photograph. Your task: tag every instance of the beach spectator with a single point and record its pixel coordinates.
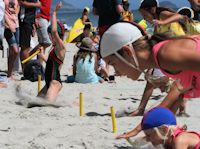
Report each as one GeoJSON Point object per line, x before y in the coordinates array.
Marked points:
{"type": "Point", "coordinates": [185, 16]}
{"type": "Point", "coordinates": [160, 128]}
{"type": "Point", "coordinates": [2, 7]}
{"type": "Point", "coordinates": [85, 66]}
{"type": "Point", "coordinates": [85, 16]}
{"type": "Point", "coordinates": [26, 21]}
{"type": "Point", "coordinates": [195, 5]}
{"type": "Point", "coordinates": [109, 12]}
{"type": "Point", "coordinates": [42, 23]}
{"type": "Point", "coordinates": [127, 14]}
{"type": "Point", "coordinates": [153, 14]}
{"type": "Point", "coordinates": [86, 33]}
{"type": "Point", "coordinates": [103, 70]}
{"type": "Point", "coordinates": [139, 52]}
{"type": "Point", "coordinates": [11, 32]}
{"type": "Point", "coordinates": [55, 60]}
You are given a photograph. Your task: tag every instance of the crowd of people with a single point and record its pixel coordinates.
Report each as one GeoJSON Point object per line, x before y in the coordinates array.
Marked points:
{"type": "Point", "coordinates": [169, 58]}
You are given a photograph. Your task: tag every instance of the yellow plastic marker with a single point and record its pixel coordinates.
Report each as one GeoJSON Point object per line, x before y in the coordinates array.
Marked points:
{"type": "Point", "coordinates": [81, 104]}
{"type": "Point", "coordinates": [39, 82]}
{"type": "Point", "coordinates": [113, 119]}
{"type": "Point", "coordinates": [30, 57]}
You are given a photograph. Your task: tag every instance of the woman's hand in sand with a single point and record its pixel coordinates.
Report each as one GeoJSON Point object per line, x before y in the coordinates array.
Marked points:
{"type": "Point", "coordinates": [123, 136]}
{"type": "Point", "coordinates": [127, 134]}
{"type": "Point", "coordinates": [131, 133]}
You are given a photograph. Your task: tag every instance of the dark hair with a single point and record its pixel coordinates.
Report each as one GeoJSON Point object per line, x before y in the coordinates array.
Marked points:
{"type": "Point", "coordinates": [81, 54]}
{"type": "Point", "coordinates": [148, 4]}
{"type": "Point", "coordinates": [158, 11]}
{"type": "Point", "coordinates": [87, 26]}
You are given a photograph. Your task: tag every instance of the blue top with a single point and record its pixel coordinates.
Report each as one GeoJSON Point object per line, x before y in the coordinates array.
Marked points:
{"type": "Point", "coordinates": [85, 72]}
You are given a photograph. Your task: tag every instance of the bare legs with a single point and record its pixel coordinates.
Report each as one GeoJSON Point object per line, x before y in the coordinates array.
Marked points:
{"type": "Point", "coordinates": [52, 92]}
{"type": "Point", "coordinates": [13, 51]}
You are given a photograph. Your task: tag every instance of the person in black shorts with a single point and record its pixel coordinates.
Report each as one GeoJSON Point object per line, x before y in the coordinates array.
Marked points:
{"type": "Point", "coordinates": [26, 21]}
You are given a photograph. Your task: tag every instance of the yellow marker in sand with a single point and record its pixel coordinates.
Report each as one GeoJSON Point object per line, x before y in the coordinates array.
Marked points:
{"type": "Point", "coordinates": [81, 104]}
{"type": "Point", "coordinates": [30, 57]}
{"type": "Point", "coordinates": [113, 119]}
{"type": "Point", "coordinates": [39, 82]}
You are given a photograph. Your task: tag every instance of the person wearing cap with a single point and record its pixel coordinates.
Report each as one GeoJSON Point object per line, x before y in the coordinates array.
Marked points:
{"type": "Point", "coordinates": [109, 12]}
{"type": "Point", "coordinates": [55, 60]}
{"type": "Point", "coordinates": [160, 127]}
{"type": "Point", "coordinates": [156, 15]}
{"type": "Point", "coordinates": [130, 51]}
{"type": "Point", "coordinates": [127, 14]}
{"type": "Point", "coordinates": [85, 63]}
{"type": "Point", "coordinates": [85, 16]}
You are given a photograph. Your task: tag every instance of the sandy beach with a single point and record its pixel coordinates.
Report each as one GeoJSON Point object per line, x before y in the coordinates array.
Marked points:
{"type": "Point", "coordinates": [63, 128]}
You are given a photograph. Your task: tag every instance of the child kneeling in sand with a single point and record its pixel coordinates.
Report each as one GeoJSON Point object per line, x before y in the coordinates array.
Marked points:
{"type": "Point", "coordinates": [55, 59]}
{"type": "Point", "coordinates": [85, 66]}
{"type": "Point", "coordinates": [160, 127]}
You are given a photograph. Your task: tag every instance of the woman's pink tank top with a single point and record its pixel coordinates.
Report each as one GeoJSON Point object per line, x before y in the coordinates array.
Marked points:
{"type": "Point", "coordinates": [187, 79]}
{"type": "Point", "coordinates": [179, 131]}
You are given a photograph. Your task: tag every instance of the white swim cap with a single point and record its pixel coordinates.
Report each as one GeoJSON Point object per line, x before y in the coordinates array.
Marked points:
{"type": "Point", "coordinates": [87, 9]}
{"type": "Point", "coordinates": [119, 35]}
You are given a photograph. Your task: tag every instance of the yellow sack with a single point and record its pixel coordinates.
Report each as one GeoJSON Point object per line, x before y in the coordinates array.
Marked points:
{"type": "Point", "coordinates": [192, 27]}
{"type": "Point", "coordinates": [174, 27]}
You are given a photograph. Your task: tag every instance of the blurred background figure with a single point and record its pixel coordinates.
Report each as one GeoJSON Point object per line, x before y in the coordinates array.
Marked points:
{"type": "Point", "coordinates": [2, 7]}
{"type": "Point", "coordinates": [12, 32]}
{"type": "Point", "coordinates": [85, 16]}
{"type": "Point", "coordinates": [109, 12]}
{"type": "Point", "coordinates": [195, 5]}
{"type": "Point", "coordinates": [127, 14]}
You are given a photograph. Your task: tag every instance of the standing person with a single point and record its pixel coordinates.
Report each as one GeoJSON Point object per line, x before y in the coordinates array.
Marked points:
{"type": "Point", "coordinates": [195, 5]}
{"type": "Point", "coordinates": [12, 32]}
{"type": "Point", "coordinates": [109, 12]}
{"type": "Point", "coordinates": [55, 59]}
{"type": "Point", "coordinates": [2, 7]}
{"type": "Point", "coordinates": [132, 52]}
{"type": "Point", "coordinates": [127, 14]}
{"type": "Point", "coordinates": [26, 21]}
{"type": "Point", "coordinates": [42, 22]}
{"type": "Point", "coordinates": [85, 16]}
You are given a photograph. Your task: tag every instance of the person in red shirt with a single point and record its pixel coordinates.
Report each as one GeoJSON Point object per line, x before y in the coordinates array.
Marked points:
{"type": "Point", "coordinates": [42, 23]}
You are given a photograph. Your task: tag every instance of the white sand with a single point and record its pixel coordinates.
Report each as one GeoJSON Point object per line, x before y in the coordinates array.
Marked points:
{"type": "Point", "coordinates": [63, 128]}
